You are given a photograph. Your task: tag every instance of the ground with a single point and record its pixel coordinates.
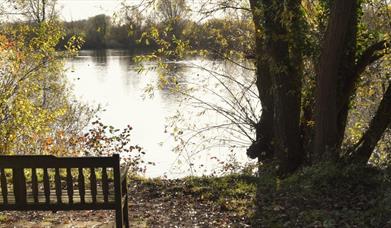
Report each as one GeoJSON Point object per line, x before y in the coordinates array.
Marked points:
{"type": "Point", "coordinates": [157, 203]}
{"type": "Point", "coordinates": [324, 195]}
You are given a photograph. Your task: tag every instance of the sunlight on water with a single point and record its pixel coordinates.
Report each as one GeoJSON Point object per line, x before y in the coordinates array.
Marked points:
{"type": "Point", "coordinates": [109, 78]}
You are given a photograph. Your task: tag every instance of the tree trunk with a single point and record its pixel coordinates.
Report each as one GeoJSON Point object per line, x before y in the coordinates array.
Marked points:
{"type": "Point", "coordinates": [279, 71]}
{"type": "Point", "coordinates": [351, 74]}
{"type": "Point", "coordinates": [281, 54]}
{"type": "Point", "coordinates": [334, 51]}
{"type": "Point", "coordinates": [262, 148]}
{"type": "Point", "coordinates": [380, 122]}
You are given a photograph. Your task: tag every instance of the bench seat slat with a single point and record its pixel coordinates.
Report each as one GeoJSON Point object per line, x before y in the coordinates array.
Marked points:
{"type": "Point", "coordinates": [69, 185]}
{"type": "Point", "coordinates": [81, 184]}
{"type": "Point", "coordinates": [58, 207]}
{"type": "Point", "coordinates": [34, 181]}
{"type": "Point", "coordinates": [4, 187]}
{"type": "Point", "coordinates": [53, 198]}
{"type": "Point", "coordinates": [105, 184]}
{"type": "Point", "coordinates": [46, 185]}
{"type": "Point", "coordinates": [93, 184]}
{"type": "Point", "coordinates": [57, 182]}
{"type": "Point", "coordinates": [19, 183]}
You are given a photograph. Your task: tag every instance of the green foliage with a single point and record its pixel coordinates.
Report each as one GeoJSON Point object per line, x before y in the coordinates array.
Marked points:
{"type": "Point", "coordinates": [231, 193]}
{"type": "Point", "coordinates": [3, 218]}
{"type": "Point", "coordinates": [28, 59]}
{"type": "Point", "coordinates": [35, 102]}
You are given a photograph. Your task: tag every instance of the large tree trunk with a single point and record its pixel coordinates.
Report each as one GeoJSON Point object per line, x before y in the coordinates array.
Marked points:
{"type": "Point", "coordinates": [346, 88]}
{"type": "Point", "coordinates": [286, 63]}
{"type": "Point", "coordinates": [279, 70]}
{"type": "Point", "coordinates": [335, 50]}
{"type": "Point", "coordinates": [380, 122]}
{"type": "Point", "coordinates": [262, 147]}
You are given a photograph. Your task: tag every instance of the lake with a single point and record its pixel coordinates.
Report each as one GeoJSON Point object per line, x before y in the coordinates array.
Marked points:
{"type": "Point", "coordinates": [110, 78]}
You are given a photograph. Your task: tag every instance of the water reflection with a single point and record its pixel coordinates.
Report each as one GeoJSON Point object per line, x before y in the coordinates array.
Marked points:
{"type": "Point", "coordinates": [110, 78]}
{"type": "Point", "coordinates": [100, 57]}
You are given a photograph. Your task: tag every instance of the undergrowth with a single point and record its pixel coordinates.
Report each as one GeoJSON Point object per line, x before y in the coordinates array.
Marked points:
{"type": "Point", "coordinates": [325, 195]}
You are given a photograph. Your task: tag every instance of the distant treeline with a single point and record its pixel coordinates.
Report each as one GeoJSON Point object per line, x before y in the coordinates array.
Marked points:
{"type": "Point", "coordinates": [216, 35]}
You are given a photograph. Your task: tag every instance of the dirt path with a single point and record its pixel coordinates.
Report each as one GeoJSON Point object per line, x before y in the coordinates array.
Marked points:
{"type": "Point", "coordinates": [163, 203]}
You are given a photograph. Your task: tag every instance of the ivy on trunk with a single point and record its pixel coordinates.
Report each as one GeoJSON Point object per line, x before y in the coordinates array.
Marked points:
{"type": "Point", "coordinates": [282, 133]}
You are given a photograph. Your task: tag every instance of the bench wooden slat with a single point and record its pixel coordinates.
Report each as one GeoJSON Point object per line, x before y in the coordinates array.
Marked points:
{"type": "Point", "coordinates": [81, 185]}
{"type": "Point", "coordinates": [4, 187]}
{"type": "Point", "coordinates": [40, 161]}
{"type": "Point", "coordinates": [46, 185]}
{"type": "Point", "coordinates": [58, 207]}
{"type": "Point", "coordinates": [19, 183]}
{"type": "Point", "coordinates": [34, 182]}
{"type": "Point", "coordinates": [93, 184]}
{"type": "Point", "coordinates": [69, 185]}
{"type": "Point", "coordinates": [53, 198]}
{"type": "Point", "coordinates": [105, 184]}
{"type": "Point", "coordinates": [57, 182]}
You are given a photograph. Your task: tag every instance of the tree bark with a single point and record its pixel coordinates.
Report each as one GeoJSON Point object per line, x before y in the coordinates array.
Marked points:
{"type": "Point", "coordinates": [262, 148]}
{"type": "Point", "coordinates": [279, 71]}
{"type": "Point", "coordinates": [283, 48]}
{"type": "Point", "coordinates": [334, 52]}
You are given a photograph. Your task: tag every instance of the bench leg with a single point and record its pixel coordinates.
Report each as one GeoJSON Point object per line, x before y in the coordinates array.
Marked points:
{"type": "Point", "coordinates": [125, 207]}
{"type": "Point", "coordinates": [118, 218]}
{"type": "Point", "coordinates": [125, 213]}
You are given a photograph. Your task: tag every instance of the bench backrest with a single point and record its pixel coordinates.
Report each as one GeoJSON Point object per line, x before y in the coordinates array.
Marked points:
{"type": "Point", "coordinates": [59, 175]}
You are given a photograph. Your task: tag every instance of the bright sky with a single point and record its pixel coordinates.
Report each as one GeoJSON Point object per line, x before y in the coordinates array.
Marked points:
{"type": "Point", "coordinates": [72, 10]}
{"type": "Point", "coordinates": [83, 9]}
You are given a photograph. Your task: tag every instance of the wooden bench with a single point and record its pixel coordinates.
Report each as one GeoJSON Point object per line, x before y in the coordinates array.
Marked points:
{"type": "Point", "coordinates": [52, 183]}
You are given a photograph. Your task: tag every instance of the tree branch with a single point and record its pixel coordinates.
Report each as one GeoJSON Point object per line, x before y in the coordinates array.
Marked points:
{"type": "Point", "coordinates": [370, 55]}
{"type": "Point", "coordinates": [363, 150]}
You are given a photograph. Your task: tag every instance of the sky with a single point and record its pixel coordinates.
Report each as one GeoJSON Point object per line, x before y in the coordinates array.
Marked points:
{"type": "Point", "coordinates": [72, 10]}
{"type": "Point", "coordinates": [83, 9]}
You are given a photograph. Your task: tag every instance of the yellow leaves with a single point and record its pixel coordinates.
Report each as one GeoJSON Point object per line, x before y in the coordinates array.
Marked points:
{"type": "Point", "coordinates": [4, 43]}
{"type": "Point", "coordinates": [203, 53]}
{"type": "Point", "coordinates": [355, 132]}
{"type": "Point", "coordinates": [311, 123]}
{"type": "Point", "coordinates": [74, 44]}
{"type": "Point", "coordinates": [278, 184]}
{"type": "Point", "coordinates": [49, 141]}
{"type": "Point", "coordinates": [155, 33]}
{"type": "Point", "coordinates": [371, 92]}
{"type": "Point", "coordinates": [30, 63]}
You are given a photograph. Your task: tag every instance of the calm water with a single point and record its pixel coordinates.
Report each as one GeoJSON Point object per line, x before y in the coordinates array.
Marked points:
{"type": "Point", "coordinates": [110, 78]}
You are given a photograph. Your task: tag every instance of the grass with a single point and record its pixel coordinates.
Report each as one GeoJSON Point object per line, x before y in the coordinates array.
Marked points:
{"type": "Point", "coordinates": [231, 193]}
{"type": "Point", "coordinates": [324, 195]}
